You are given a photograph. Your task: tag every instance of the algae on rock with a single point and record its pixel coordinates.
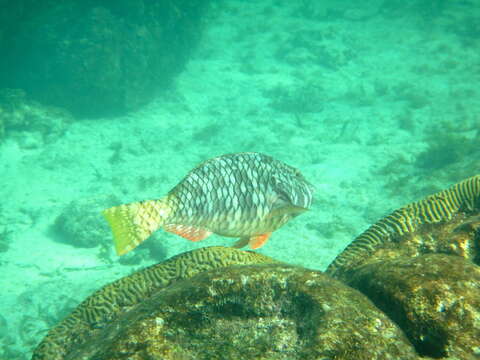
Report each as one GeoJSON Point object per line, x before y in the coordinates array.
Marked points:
{"type": "Point", "coordinates": [420, 265]}
{"type": "Point", "coordinates": [255, 311]}
{"type": "Point", "coordinates": [115, 299]}
{"type": "Point", "coordinates": [435, 299]}
{"type": "Point", "coordinates": [445, 222]}
{"type": "Point", "coordinates": [414, 293]}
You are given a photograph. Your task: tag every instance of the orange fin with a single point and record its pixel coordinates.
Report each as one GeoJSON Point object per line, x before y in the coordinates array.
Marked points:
{"type": "Point", "coordinates": [188, 232]}
{"type": "Point", "coordinates": [256, 242]}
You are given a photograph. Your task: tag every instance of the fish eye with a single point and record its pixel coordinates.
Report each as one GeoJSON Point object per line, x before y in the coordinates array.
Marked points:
{"type": "Point", "coordinates": [298, 174]}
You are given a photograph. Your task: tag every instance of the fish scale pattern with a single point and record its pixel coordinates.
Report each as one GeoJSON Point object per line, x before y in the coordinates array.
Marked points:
{"type": "Point", "coordinates": [436, 208]}
{"type": "Point", "coordinates": [233, 193]}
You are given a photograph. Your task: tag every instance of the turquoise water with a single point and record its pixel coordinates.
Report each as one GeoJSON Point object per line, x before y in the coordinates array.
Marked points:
{"type": "Point", "coordinates": [376, 103]}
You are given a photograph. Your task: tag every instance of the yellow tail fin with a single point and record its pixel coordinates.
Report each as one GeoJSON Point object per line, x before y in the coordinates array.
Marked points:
{"type": "Point", "coordinates": [133, 223]}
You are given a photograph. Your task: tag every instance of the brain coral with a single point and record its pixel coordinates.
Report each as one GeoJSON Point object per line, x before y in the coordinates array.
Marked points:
{"type": "Point", "coordinates": [257, 309]}
{"type": "Point", "coordinates": [420, 266]}
{"type": "Point", "coordinates": [408, 289]}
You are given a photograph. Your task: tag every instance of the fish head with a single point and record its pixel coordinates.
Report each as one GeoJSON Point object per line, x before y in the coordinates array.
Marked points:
{"type": "Point", "coordinates": [293, 194]}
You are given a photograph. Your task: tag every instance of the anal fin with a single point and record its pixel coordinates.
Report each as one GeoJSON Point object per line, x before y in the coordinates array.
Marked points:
{"type": "Point", "coordinates": [188, 232]}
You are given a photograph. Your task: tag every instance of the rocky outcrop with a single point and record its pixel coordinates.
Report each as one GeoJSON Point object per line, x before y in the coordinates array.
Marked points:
{"type": "Point", "coordinates": [434, 298]}
{"type": "Point", "coordinates": [249, 311]}
{"type": "Point", "coordinates": [447, 222]}
{"type": "Point", "coordinates": [28, 122]}
{"type": "Point", "coordinates": [420, 266]}
{"type": "Point", "coordinates": [96, 59]}
{"type": "Point", "coordinates": [112, 301]}
{"type": "Point", "coordinates": [409, 288]}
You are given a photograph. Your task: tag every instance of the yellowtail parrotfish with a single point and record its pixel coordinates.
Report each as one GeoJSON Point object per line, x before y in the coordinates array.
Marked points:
{"type": "Point", "coordinates": [243, 195]}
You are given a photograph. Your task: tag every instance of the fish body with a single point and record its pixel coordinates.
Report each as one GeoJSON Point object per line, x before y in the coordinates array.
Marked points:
{"type": "Point", "coordinates": [242, 195]}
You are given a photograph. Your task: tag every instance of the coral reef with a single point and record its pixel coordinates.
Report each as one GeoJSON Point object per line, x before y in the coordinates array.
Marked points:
{"type": "Point", "coordinates": [435, 298]}
{"type": "Point", "coordinates": [445, 222]}
{"type": "Point", "coordinates": [117, 298]}
{"type": "Point", "coordinates": [420, 266]}
{"type": "Point", "coordinates": [255, 311]}
{"type": "Point", "coordinates": [408, 289]}
{"type": "Point", "coordinates": [96, 59]}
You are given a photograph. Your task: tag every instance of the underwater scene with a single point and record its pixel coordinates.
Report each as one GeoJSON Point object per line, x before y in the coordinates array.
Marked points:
{"type": "Point", "coordinates": [266, 179]}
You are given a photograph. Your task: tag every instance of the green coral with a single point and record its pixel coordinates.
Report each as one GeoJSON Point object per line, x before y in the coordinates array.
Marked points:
{"type": "Point", "coordinates": [117, 298]}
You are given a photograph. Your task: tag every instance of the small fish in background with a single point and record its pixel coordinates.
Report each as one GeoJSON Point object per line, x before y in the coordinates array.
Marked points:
{"type": "Point", "coordinates": [243, 195]}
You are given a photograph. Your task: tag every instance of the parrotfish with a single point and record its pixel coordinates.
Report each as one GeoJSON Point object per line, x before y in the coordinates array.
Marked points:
{"type": "Point", "coordinates": [243, 195]}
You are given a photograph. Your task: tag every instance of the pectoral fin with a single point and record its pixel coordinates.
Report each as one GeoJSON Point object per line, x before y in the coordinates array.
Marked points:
{"type": "Point", "coordinates": [291, 210]}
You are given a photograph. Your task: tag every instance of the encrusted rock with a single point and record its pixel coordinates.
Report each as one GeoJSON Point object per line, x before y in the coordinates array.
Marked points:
{"type": "Point", "coordinates": [249, 311]}
{"type": "Point", "coordinates": [435, 299]}
{"type": "Point", "coordinates": [446, 222]}
{"type": "Point", "coordinates": [110, 302]}
{"type": "Point", "coordinates": [29, 122]}
{"type": "Point", "coordinates": [96, 58]}
{"type": "Point", "coordinates": [420, 266]}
